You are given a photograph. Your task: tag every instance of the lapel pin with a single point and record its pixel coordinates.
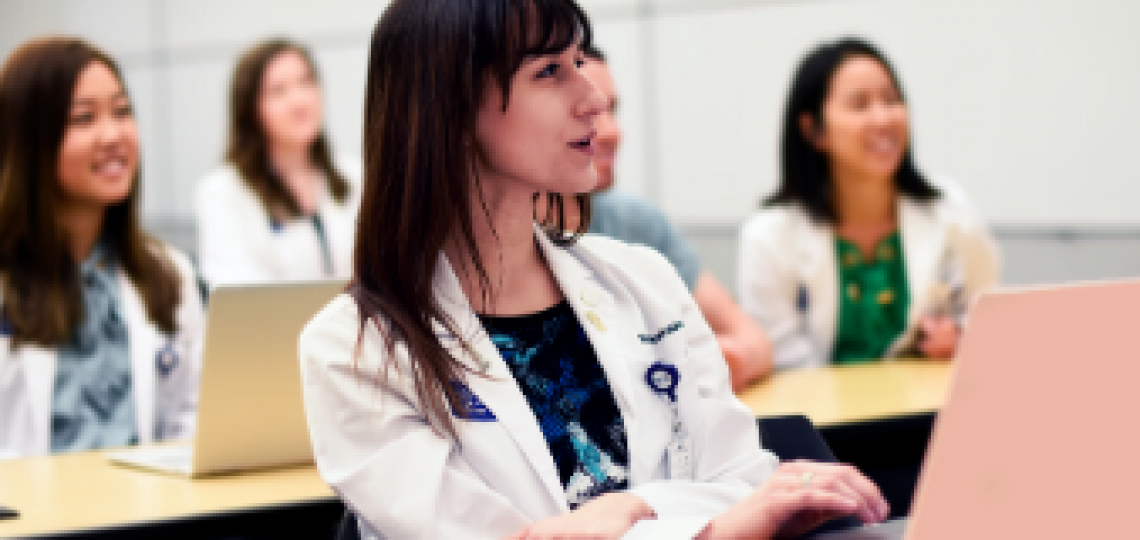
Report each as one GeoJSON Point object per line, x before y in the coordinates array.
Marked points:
{"type": "Point", "coordinates": [596, 321]}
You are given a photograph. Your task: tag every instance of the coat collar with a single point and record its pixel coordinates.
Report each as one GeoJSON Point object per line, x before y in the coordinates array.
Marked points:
{"type": "Point", "coordinates": [924, 245]}
{"type": "Point", "coordinates": [491, 380]}
{"type": "Point", "coordinates": [819, 274]}
{"type": "Point", "coordinates": [923, 248]}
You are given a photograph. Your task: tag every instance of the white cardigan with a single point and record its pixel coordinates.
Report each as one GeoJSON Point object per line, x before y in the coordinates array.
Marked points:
{"type": "Point", "coordinates": [164, 374]}
{"type": "Point", "coordinates": [788, 276]}
{"type": "Point", "coordinates": [404, 480]}
{"type": "Point", "coordinates": [237, 242]}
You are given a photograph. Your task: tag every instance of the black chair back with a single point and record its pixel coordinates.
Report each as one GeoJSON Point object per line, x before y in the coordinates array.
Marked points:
{"type": "Point", "coordinates": [348, 529]}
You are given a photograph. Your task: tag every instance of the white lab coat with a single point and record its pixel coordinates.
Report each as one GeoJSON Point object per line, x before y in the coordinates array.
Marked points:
{"type": "Point", "coordinates": [165, 385]}
{"type": "Point", "coordinates": [237, 242]}
{"type": "Point", "coordinates": [788, 276]}
{"type": "Point", "coordinates": [403, 480]}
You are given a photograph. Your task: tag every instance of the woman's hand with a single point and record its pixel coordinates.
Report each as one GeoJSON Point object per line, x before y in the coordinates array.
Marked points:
{"type": "Point", "coordinates": [939, 337]}
{"type": "Point", "coordinates": [607, 517]}
{"type": "Point", "coordinates": [798, 497]}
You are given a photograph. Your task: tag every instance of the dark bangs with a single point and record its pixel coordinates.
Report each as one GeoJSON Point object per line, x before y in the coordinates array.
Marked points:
{"type": "Point", "coordinates": [525, 29]}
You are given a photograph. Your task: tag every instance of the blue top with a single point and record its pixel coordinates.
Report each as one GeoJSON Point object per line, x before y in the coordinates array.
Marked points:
{"type": "Point", "coordinates": [93, 402]}
{"type": "Point", "coordinates": [556, 368]}
{"type": "Point", "coordinates": [633, 220]}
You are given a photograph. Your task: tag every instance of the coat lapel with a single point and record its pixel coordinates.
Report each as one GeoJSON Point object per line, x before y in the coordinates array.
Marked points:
{"type": "Point", "coordinates": [144, 345]}
{"type": "Point", "coordinates": [39, 366]}
{"type": "Point", "coordinates": [821, 277]}
{"type": "Point", "coordinates": [923, 246]}
{"type": "Point", "coordinates": [492, 384]}
{"type": "Point", "coordinates": [599, 314]}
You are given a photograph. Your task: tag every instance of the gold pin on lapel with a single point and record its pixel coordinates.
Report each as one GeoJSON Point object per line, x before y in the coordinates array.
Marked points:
{"type": "Point", "coordinates": [853, 291]}
{"type": "Point", "coordinates": [886, 253]}
{"type": "Point", "coordinates": [596, 321]}
{"type": "Point", "coordinates": [886, 297]}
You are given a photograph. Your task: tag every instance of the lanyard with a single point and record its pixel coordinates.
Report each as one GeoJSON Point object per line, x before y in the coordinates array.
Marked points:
{"type": "Point", "coordinates": [663, 378]}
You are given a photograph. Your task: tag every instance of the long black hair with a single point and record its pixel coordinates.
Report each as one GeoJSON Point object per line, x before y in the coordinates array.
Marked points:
{"type": "Point", "coordinates": [432, 65]}
{"type": "Point", "coordinates": [805, 171]}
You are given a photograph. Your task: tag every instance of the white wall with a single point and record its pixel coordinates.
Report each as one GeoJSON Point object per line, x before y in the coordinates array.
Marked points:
{"type": "Point", "coordinates": [1029, 103]}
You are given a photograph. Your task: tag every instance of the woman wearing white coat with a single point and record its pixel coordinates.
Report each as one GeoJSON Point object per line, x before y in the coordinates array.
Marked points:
{"type": "Point", "coordinates": [858, 256]}
{"type": "Point", "coordinates": [483, 377]}
{"type": "Point", "coordinates": [282, 207]}
{"type": "Point", "coordinates": [100, 324]}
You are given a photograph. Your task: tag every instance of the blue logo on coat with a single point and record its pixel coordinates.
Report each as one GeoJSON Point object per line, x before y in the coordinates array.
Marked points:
{"type": "Point", "coordinates": [166, 360]}
{"type": "Point", "coordinates": [5, 326]}
{"type": "Point", "coordinates": [663, 378]}
{"type": "Point", "coordinates": [656, 337]}
{"type": "Point", "coordinates": [473, 408]}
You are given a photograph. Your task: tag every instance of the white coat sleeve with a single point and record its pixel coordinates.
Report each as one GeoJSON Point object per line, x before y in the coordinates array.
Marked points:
{"type": "Point", "coordinates": [374, 448]}
{"type": "Point", "coordinates": [228, 250]}
{"type": "Point", "coordinates": [769, 291]}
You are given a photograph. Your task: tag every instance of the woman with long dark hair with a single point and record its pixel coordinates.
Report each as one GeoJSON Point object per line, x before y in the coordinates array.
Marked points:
{"type": "Point", "coordinates": [100, 323]}
{"type": "Point", "coordinates": [283, 206]}
{"type": "Point", "coordinates": [858, 255]}
{"type": "Point", "coordinates": [486, 375]}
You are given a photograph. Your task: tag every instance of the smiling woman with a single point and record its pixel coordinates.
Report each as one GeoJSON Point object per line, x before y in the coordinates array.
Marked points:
{"type": "Point", "coordinates": [489, 376]}
{"type": "Point", "coordinates": [99, 323]}
{"type": "Point", "coordinates": [858, 255]}
{"type": "Point", "coordinates": [283, 206]}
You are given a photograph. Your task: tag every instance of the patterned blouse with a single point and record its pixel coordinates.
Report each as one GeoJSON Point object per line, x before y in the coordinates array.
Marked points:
{"type": "Point", "coordinates": [557, 370]}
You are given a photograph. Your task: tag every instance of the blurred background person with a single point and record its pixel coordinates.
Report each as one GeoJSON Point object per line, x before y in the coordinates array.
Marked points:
{"type": "Point", "coordinates": [858, 255]}
{"type": "Point", "coordinates": [283, 207]}
{"type": "Point", "coordinates": [631, 219]}
{"type": "Point", "coordinates": [100, 325]}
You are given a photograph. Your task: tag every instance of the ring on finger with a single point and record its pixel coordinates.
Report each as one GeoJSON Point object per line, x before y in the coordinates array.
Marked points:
{"type": "Point", "coordinates": [805, 479]}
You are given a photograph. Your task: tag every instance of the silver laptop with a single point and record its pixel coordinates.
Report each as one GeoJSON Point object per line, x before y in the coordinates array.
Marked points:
{"type": "Point", "coordinates": [250, 412]}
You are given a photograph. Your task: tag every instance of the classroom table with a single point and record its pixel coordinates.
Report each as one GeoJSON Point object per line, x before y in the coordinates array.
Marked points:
{"type": "Point", "coordinates": [83, 494]}
{"type": "Point", "coordinates": [835, 395]}
{"type": "Point", "coordinates": [876, 416]}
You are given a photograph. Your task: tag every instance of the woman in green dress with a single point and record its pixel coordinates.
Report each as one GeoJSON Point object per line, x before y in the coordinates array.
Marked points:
{"type": "Point", "coordinates": [858, 255]}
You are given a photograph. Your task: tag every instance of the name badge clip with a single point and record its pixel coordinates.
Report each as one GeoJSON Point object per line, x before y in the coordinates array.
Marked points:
{"type": "Point", "coordinates": [663, 378]}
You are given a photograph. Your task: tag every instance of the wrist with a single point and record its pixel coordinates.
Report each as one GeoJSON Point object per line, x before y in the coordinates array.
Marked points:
{"type": "Point", "coordinates": [729, 526]}
{"type": "Point", "coordinates": [637, 509]}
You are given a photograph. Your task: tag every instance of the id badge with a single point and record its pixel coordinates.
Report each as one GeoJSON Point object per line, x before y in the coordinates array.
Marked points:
{"type": "Point", "coordinates": [663, 379]}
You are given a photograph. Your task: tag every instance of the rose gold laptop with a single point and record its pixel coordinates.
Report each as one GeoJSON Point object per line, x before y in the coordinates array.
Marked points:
{"type": "Point", "coordinates": [1038, 436]}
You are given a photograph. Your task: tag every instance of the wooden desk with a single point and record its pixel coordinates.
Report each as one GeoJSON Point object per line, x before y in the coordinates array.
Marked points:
{"type": "Point", "coordinates": [84, 491]}
{"type": "Point", "coordinates": [877, 417]}
{"type": "Point", "coordinates": [843, 394]}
